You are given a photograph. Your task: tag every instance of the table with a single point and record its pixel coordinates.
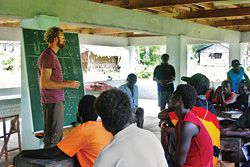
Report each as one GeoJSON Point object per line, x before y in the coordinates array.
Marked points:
{"type": "Point", "coordinates": [6, 137]}
{"type": "Point", "coordinates": [10, 107]}
{"type": "Point", "coordinates": [232, 144]}
{"type": "Point", "coordinates": [63, 161]}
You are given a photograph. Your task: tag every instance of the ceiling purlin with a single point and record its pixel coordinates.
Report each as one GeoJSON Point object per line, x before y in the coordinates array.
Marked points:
{"type": "Point", "coordinates": [120, 3]}
{"type": "Point", "coordinates": [186, 8]}
{"type": "Point", "coordinates": [197, 7]}
{"type": "Point", "coordinates": [151, 10]}
{"type": "Point", "coordinates": [206, 6]}
{"type": "Point", "coordinates": [106, 31]}
{"type": "Point", "coordinates": [168, 9]}
{"type": "Point", "coordinates": [227, 23]}
{"type": "Point", "coordinates": [215, 13]}
{"type": "Point", "coordinates": [135, 4]}
{"type": "Point", "coordinates": [9, 24]}
{"type": "Point", "coordinates": [243, 28]}
{"type": "Point", "coordinates": [154, 10]}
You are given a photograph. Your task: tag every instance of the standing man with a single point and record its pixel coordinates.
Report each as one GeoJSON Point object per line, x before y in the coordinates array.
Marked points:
{"type": "Point", "coordinates": [236, 74]}
{"type": "Point", "coordinates": [132, 91]}
{"type": "Point", "coordinates": [164, 75]}
{"type": "Point", "coordinates": [52, 86]}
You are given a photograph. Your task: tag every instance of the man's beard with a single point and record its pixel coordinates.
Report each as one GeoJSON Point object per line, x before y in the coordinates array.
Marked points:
{"type": "Point", "coordinates": [61, 45]}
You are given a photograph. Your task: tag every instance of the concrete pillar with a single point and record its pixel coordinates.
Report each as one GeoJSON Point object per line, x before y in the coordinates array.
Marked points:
{"type": "Point", "coordinates": [235, 52]}
{"type": "Point", "coordinates": [177, 50]}
{"type": "Point", "coordinates": [29, 141]}
{"type": "Point", "coordinates": [132, 59]}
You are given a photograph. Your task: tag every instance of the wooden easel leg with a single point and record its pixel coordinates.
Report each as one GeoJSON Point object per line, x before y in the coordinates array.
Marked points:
{"type": "Point", "coordinates": [18, 133]}
{"type": "Point", "coordinates": [5, 146]}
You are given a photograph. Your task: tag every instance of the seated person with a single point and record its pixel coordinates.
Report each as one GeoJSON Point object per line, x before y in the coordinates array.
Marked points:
{"type": "Point", "coordinates": [224, 94]}
{"type": "Point", "coordinates": [241, 102]}
{"type": "Point", "coordinates": [132, 91]}
{"type": "Point", "coordinates": [86, 140]}
{"type": "Point", "coordinates": [209, 94]}
{"type": "Point", "coordinates": [202, 109]}
{"type": "Point", "coordinates": [131, 146]}
{"type": "Point", "coordinates": [193, 144]}
{"type": "Point", "coordinates": [240, 128]}
{"type": "Point", "coordinates": [201, 84]}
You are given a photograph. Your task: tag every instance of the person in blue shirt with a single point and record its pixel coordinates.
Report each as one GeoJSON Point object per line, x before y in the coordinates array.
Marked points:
{"type": "Point", "coordinates": [236, 74]}
{"type": "Point", "coordinates": [131, 89]}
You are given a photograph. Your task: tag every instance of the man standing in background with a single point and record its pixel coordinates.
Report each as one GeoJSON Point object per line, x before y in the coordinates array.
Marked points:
{"type": "Point", "coordinates": [52, 86]}
{"type": "Point", "coordinates": [236, 74]}
{"type": "Point", "coordinates": [164, 75]}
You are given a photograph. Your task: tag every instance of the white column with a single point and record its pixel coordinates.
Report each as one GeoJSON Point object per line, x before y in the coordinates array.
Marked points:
{"type": "Point", "coordinates": [177, 50]}
{"type": "Point", "coordinates": [235, 52]}
{"type": "Point", "coordinates": [132, 59]}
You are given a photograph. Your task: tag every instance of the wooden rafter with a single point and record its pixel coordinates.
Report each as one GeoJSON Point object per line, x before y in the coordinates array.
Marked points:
{"type": "Point", "coordinates": [239, 28]}
{"type": "Point", "coordinates": [215, 13]}
{"type": "Point", "coordinates": [105, 31]}
{"type": "Point", "coordinates": [134, 4]}
{"type": "Point", "coordinates": [231, 23]}
{"type": "Point", "coordinates": [16, 25]}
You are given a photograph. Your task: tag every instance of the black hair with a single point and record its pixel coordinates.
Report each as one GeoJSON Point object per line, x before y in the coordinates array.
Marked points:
{"type": "Point", "coordinates": [201, 84]}
{"type": "Point", "coordinates": [113, 106]}
{"type": "Point", "coordinates": [86, 111]}
{"type": "Point", "coordinates": [51, 34]}
{"type": "Point", "coordinates": [131, 75]}
{"type": "Point", "coordinates": [245, 83]}
{"type": "Point", "coordinates": [164, 57]}
{"type": "Point", "coordinates": [188, 95]}
{"type": "Point", "coordinates": [225, 82]}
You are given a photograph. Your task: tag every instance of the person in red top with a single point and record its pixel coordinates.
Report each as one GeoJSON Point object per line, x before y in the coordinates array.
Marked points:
{"type": "Point", "coordinates": [52, 86]}
{"type": "Point", "coordinates": [85, 141]}
{"type": "Point", "coordinates": [202, 110]}
{"type": "Point", "coordinates": [224, 94]}
{"type": "Point", "coordinates": [193, 144]}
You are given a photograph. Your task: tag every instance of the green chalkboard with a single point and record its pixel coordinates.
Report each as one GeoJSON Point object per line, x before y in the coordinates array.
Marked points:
{"type": "Point", "coordinates": [70, 60]}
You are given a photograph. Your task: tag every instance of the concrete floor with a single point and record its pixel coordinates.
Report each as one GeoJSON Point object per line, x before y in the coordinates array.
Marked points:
{"type": "Point", "coordinates": [150, 123]}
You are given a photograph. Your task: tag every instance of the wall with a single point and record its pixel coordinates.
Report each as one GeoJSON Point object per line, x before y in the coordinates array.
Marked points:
{"type": "Point", "coordinates": [155, 40]}
{"type": "Point", "coordinates": [10, 34]}
{"type": "Point", "coordinates": [245, 37]}
{"type": "Point", "coordinates": [102, 40]}
{"type": "Point", "coordinates": [10, 91]}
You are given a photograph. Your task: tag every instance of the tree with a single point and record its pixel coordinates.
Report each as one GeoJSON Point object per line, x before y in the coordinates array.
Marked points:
{"type": "Point", "coordinates": [148, 58]}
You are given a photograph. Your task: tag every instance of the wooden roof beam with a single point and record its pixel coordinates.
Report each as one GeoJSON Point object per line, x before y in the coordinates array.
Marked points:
{"type": "Point", "coordinates": [215, 13]}
{"type": "Point", "coordinates": [239, 28]}
{"type": "Point", "coordinates": [231, 23]}
{"type": "Point", "coordinates": [135, 4]}
{"type": "Point", "coordinates": [105, 31]}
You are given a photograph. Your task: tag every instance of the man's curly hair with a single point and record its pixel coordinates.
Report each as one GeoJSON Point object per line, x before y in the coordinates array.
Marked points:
{"type": "Point", "coordinates": [113, 106]}
{"type": "Point", "coordinates": [188, 95]}
{"type": "Point", "coordinates": [51, 33]}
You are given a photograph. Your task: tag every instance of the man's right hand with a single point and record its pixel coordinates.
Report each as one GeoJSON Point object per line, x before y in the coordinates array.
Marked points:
{"type": "Point", "coordinates": [163, 114]}
{"type": "Point", "coordinates": [73, 84]}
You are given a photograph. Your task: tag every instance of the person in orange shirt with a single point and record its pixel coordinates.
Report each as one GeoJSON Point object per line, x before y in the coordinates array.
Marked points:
{"type": "Point", "coordinates": [85, 141]}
